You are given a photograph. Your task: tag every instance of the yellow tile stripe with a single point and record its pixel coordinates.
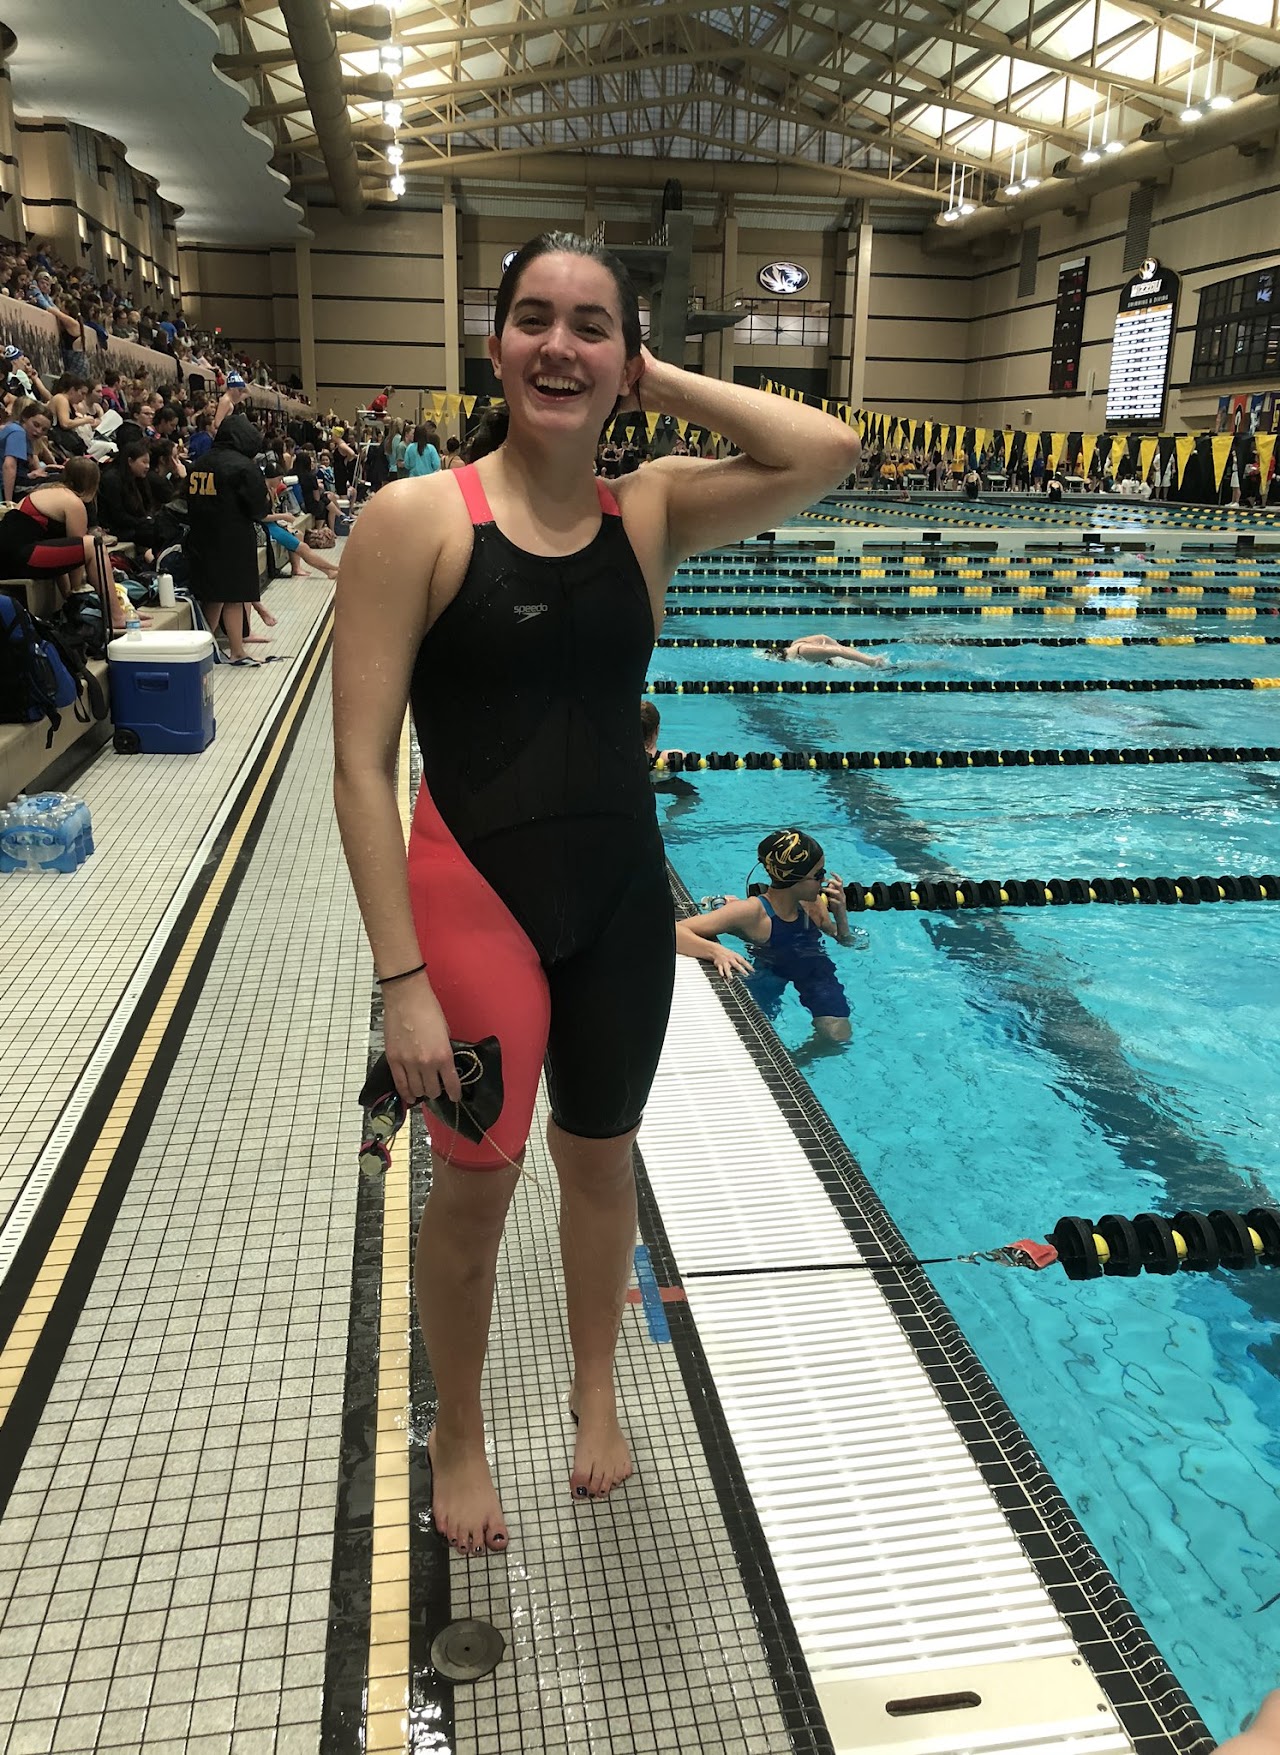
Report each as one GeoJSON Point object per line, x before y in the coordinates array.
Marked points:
{"type": "Point", "coordinates": [387, 1716]}
{"type": "Point", "coordinates": [28, 1328]}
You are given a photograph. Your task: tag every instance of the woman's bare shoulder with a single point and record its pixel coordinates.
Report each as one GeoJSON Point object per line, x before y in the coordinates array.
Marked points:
{"type": "Point", "coordinates": [413, 532]}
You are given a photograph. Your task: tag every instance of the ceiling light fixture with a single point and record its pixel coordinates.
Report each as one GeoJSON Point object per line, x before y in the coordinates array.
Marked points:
{"type": "Point", "coordinates": [395, 154]}
{"type": "Point", "coordinates": [397, 185]}
{"type": "Point", "coordinates": [393, 113]}
{"type": "Point", "coordinates": [1028, 181]}
{"type": "Point", "coordinates": [1191, 113]}
{"type": "Point", "coordinates": [1091, 155]}
{"type": "Point", "coordinates": [952, 212]}
{"type": "Point", "coordinates": [1208, 73]}
{"type": "Point", "coordinates": [1106, 126]}
{"type": "Point", "coordinates": [391, 58]}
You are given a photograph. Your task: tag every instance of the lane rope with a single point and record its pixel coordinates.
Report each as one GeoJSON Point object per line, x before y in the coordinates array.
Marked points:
{"type": "Point", "coordinates": [1118, 1247]}
{"type": "Point", "coordinates": [957, 584]}
{"type": "Point", "coordinates": [688, 761]}
{"type": "Point", "coordinates": [1133, 685]}
{"type": "Point", "coordinates": [1124, 611]}
{"type": "Point", "coordinates": [946, 895]}
{"type": "Point", "coordinates": [689, 642]}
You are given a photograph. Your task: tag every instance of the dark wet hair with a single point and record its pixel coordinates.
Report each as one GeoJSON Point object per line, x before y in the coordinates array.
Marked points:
{"type": "Point", "coordinates": [493, 428]}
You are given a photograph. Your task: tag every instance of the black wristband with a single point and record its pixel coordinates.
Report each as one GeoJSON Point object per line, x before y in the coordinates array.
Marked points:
{"type": "Point", "coordinates": [386, 980]}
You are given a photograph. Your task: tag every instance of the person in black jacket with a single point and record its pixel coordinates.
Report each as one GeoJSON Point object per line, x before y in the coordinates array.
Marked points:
{"type": "Point", "coordinates": [227, 496]}
{"type": "Point", "coordinates": [125, 505]}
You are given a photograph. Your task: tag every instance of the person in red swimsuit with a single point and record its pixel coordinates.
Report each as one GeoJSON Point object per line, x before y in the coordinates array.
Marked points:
{"type": "Point", "coordinates": [46, 536]}
{"type": "Point", "coordinates": [516, 601]}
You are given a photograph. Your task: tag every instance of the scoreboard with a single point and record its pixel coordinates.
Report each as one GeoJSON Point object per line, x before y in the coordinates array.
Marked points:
{"type": "Point", "coordinates": [1141, 346]}
{"type": "Point", "coordinates": [1068, 328]}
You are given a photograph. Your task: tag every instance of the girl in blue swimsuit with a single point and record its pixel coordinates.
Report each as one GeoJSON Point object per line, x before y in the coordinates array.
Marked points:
{"type": "Point", "coordinates": [787, 927]}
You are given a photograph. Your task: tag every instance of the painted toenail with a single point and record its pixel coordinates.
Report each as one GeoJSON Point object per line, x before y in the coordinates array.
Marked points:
{"type": "Point", "coordinates": [581, 1492]}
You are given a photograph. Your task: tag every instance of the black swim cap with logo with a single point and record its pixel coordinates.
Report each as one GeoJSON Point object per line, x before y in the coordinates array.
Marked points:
{"type": "Point", "coordinates": [788, 856]}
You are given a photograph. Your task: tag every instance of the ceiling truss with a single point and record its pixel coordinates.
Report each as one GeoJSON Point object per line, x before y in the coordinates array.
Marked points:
{"type": "Point", "coordinates": [903, 95]}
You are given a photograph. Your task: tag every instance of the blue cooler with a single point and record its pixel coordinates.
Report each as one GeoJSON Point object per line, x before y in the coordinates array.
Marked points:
{"type": "Point", "coordinates": [162, 693]}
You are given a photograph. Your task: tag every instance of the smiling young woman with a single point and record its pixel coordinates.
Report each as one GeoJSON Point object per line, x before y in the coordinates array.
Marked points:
{"type": "Point", "coordinates": [515, 603]}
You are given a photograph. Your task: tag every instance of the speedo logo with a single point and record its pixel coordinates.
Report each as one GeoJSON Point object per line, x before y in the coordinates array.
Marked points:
{"type": "Point", "coordinates": [525, 612]}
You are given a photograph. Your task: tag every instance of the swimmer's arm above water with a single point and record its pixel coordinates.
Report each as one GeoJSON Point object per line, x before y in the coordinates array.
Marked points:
{"type": "Point", "coordinates": [834, 918]}
{"type": "Point", "coordinates": [791, 456]}
{"type": "Point", "coordinates": [696, 936]}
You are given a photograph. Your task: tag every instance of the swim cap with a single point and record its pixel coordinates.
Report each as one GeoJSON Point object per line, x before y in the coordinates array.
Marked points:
{"type": "Point", "coordinates": [788, 855]}
{"type": "Point", "coordinates": [235, 381]}
{"type": "Point", "coordinates": [12, 353]}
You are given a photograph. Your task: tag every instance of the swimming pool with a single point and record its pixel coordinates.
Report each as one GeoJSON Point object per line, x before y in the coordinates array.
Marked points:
{"type": "Point", "coordinates": [1011, 1068]}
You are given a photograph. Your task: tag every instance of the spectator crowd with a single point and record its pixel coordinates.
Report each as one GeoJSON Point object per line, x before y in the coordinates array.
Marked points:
{"type": "Point", "coordinates": [82, 305]}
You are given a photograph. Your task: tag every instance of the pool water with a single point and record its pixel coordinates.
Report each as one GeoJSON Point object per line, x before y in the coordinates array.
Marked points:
{"type": "Point", "coordinates": [1010, 1068]}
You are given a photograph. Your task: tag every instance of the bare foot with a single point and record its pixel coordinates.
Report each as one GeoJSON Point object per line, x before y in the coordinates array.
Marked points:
{"type": "Point", "coordinates": [266, 615]}
{"type": "Point", "coordinates": [464, 1501]}
{"type": "Point", "coordinates": [601, 1457]}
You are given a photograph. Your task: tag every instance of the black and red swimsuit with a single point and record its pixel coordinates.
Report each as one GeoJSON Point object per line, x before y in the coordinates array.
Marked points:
{"type": "Point", "coordinates": [32, 542]}
{"type": "Point", "coordinates": [536, 870]}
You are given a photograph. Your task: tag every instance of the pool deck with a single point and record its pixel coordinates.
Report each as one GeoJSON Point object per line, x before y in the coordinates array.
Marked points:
{"type": "Point", "coordinates": [213, 1476]}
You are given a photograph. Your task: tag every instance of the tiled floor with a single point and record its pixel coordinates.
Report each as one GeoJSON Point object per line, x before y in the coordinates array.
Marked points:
{"type": "Point", "coordinates": [165, 1558]}
{"type": "Point", "coordinates": [70, 945]}
{"type": "Point", "coordinates": [627, 1622]}
{"type": "Point", "coordinates": [167, 1576]}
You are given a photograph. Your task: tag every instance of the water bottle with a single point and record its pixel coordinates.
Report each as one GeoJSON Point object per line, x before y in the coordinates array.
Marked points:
{"type": "Point", "coordinates": [164, 590]}
{"type": "Point", "coordinates": [132, 624]}
{"type": "Point", "coordinates": [31, 843]}
{"type": "Point", "coordinates": [55, 816]}
{"type": "Point", "coordinates": [80, 829]}
{"type": "Point", "coordinates": [86, 831]}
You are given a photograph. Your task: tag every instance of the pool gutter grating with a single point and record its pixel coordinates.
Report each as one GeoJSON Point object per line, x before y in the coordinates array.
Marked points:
{"type": "Point", "coordinates": [1149, 1702]}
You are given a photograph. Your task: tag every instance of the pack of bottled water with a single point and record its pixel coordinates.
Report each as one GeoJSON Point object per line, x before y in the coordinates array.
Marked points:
{"type": "Point", "coordinates": [45, 832]}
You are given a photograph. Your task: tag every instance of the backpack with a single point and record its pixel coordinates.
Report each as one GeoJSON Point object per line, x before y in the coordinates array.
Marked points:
{"type": "Point", "coordinates": [80, 627]}
{"type": "Point", "coordinates": [35, 681]}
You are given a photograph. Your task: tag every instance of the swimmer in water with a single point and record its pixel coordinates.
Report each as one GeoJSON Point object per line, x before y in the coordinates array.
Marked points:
{"type": "Point", "coordinates": [822, 649]}
{"type": "Point", "coordinates": [674, 784]}
{"type": "Point", "coordinates": [786, 927]}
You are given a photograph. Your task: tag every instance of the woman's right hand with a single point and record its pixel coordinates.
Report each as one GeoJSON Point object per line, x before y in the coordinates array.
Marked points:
{"type": "Point", "coordinates": [416, 1038]}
